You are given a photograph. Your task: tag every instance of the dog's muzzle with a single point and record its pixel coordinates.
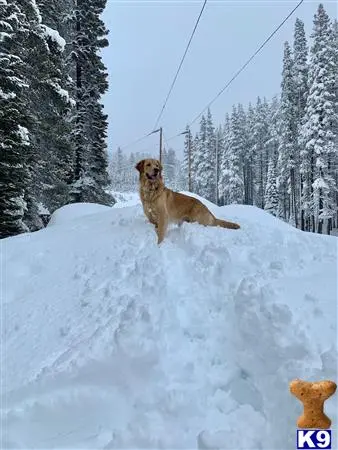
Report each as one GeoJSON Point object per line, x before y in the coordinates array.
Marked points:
{"type": "Point", "coordinates": [154, 176]}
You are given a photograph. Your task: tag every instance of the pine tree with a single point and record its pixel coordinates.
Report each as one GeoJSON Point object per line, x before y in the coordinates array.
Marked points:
{"type": "Point", "coordinates": [259, 139]}
{"type": "Point", "coordinates": [50, 100]}
{"type": "Point", "coordinates": [288, 158]}
{"type": "Point", "coordinates": [318, 130]}
{"type": "Point", "coordinates": [90, 123]}
{"type": "Point", "coordinates": [223, 178]}
{"type": "Point", "coordinates": [271, 191]}
{"type": "Point", "coordinates": [209, 172]}
{"type": "Point", "coordinates": [205, 159]}
{"type": "Point", "coordinates": [272, 144]}
{"type": "Point", "coordinates": [219, 136]}
{"type": "Point", "coordinates": [300, 68]}
{"type": "Point", "coordinates": [242, 143]}
{"type": "Point", "coordinates": [250, 156]}
{"type": "Point", "coordinates": [235, 187]}
{"type": "Point", "coordinates": [180, 176]}
{"type": "Point", "coordinates": [120, 171]}
{"type": "Point", "coordinates": [169, 166]}
{"type": "Point", "coordinates": [194, 163]}
{"type": "Point", "coordinates": [187, 166]}
{"type": "Point", "coordinates": [300, 55]}
{"type": "Point", "coordinates": [14, 120]}
{"type": "Point", "coordinates": [132, 174]}
{"type": "Point", "coordinates": [334, 164]}
{"type": "Point", "coordinates": [199, 151]}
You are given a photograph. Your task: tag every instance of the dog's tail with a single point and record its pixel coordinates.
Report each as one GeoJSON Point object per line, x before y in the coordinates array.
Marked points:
{"type": "Point", "coordinates": [225, 224]}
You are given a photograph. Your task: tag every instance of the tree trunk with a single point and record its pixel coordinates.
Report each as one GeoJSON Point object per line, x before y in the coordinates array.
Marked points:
{"type": "Point", "coordinates": [293, 197]}
{"type": "Point", "coordinates": [78, 99]}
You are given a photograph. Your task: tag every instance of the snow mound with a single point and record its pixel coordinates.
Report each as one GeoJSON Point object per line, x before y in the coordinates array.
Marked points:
{"type": "Point", "coordinates": [111, 341]}
{"type": "Point", "coordinates": [68, 213]}
{"type": "Point", "coordinates": [250, 214]}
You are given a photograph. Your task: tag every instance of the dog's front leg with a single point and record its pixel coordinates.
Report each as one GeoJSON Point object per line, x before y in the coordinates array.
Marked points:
{"type": "Point", "coordinates": [161, 228]}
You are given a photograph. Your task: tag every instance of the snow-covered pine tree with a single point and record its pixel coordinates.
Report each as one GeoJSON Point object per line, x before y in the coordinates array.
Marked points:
{"type": "Point", "coordinates": [194, 163]}
{"type": "Point", "coordinates": [186, 166]}
{"type": "Point", "coordinates": [50, 104]}
{"type": "Point", "coordinates": [235, 186]}
{"type": "Point", "coordinates": [334, 164]}
{"type": "Point", "coordinates": [223, 178]}
{"type": "Point", "coordinates": [300, 56]}
{"type": "Point", "coordinates": [300, 68]}
{"type": "Point", "coordinates": [121, 170]}
{"type": "Point", "coordinates": [272, 143]}
{"type": "Point", "coordinates": [219, 136]}
{"type": "Point", "coordinates": [209, 171]}
{"type": "Point", "coordinates": [288, 158]}
{"type": "Point", "coordinates": [132, 184]}
{"type": "Point", "coordinates": [98, 157]}
{"type": "Point", "coordinates": [112, 169]}
{"type": "Point", "coordinates": [333, 156]}
{"type": "Point", "coordinates": [169, 166]}
{"type": "Point", "coordinates": [318, 131]}
{"type": "Point", "coordinates": [271, 192]}
{"type": "Point", "coordinates": [30, 46]}
{"type": "Point", "coordinates": [205, 159]}
{"type": "Point", "coordinates": [33, 42]}
{"type": "Point", "coordinates": [14, 135]}
{"type": "Point", "coordinates": [250, 156]}
{"type": "Point", "coordinates": [241, 144]}
{"type": "Point", "coordinates": [199, 150]}
{"type": "Point", "coordinates": [90, 123]}
{"type": "Point", "coordinates": [180, 176]}
{"type": "Point", "coordinates": [259, 138]}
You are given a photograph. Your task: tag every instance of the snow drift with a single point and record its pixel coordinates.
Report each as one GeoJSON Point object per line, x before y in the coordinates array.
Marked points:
{"type": "Point", "coordinates": [109, 341]}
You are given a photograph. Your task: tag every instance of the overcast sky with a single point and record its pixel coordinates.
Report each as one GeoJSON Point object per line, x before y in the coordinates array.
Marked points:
{"type": "Point", "coordinates": [147, 40]}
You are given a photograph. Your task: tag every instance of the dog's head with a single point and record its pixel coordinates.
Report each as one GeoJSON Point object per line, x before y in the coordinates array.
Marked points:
{"type": "Point", "coordinates": [150, 169]}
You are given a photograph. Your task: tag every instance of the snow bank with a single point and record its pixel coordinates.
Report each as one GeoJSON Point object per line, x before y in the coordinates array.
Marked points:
{"type": "Point", "coordinates": [68, 213]}
{"type": "Point", "coordinates": [114, 342]}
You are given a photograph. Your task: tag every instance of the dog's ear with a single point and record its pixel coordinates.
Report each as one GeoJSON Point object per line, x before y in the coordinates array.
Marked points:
{"type": "Point", "coordinates": [139, 166]}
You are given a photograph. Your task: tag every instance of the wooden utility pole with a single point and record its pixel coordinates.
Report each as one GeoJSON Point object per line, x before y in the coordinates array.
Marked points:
{"type": "Point", "coordinates": [161, 145]}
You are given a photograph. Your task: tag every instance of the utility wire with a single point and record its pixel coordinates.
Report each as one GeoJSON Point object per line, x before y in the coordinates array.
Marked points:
{"type": "Point", "coordinates": [242, 68]}
{"type": "Point", "coordinates": [228, 83]}
{"type": "Point", "coordinates": [136, 141]}
{"type": "Point", "coordinates": [179, 67]}
{"type": "Point", "coordinates": [247, 63]}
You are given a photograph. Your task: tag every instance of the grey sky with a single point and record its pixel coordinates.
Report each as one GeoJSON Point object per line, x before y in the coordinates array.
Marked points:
{"type": "Point", "coordinates": [147, 41]}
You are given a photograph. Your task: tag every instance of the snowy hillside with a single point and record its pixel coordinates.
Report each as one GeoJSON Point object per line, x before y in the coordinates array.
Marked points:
{"type": "Point", "coordinates": [110, 341]}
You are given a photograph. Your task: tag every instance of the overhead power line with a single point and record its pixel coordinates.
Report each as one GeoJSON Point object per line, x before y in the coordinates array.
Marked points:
{"type": "Point", "coordinates": [137, 140]}
{"type": "Point", "coordinates": [180, 65]}
{"type": "Point", "coordinates": [239, 71]}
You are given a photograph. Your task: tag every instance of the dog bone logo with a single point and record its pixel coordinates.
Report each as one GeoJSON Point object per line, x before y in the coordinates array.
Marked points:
{"type": "Point", "coordinates": [313, 396]}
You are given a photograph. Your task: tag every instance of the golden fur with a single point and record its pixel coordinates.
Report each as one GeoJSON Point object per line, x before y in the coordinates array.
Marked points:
{"type": "Point", "coordinates": [163, 206]}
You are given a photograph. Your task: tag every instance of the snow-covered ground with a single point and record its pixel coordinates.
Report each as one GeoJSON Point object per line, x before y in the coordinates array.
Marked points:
{"type": "Point", "coordinates": [109, 341]}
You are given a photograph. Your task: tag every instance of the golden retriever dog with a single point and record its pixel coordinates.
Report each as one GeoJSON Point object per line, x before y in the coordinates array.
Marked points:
{"type": "Point", "coordinates": [163, 206]}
